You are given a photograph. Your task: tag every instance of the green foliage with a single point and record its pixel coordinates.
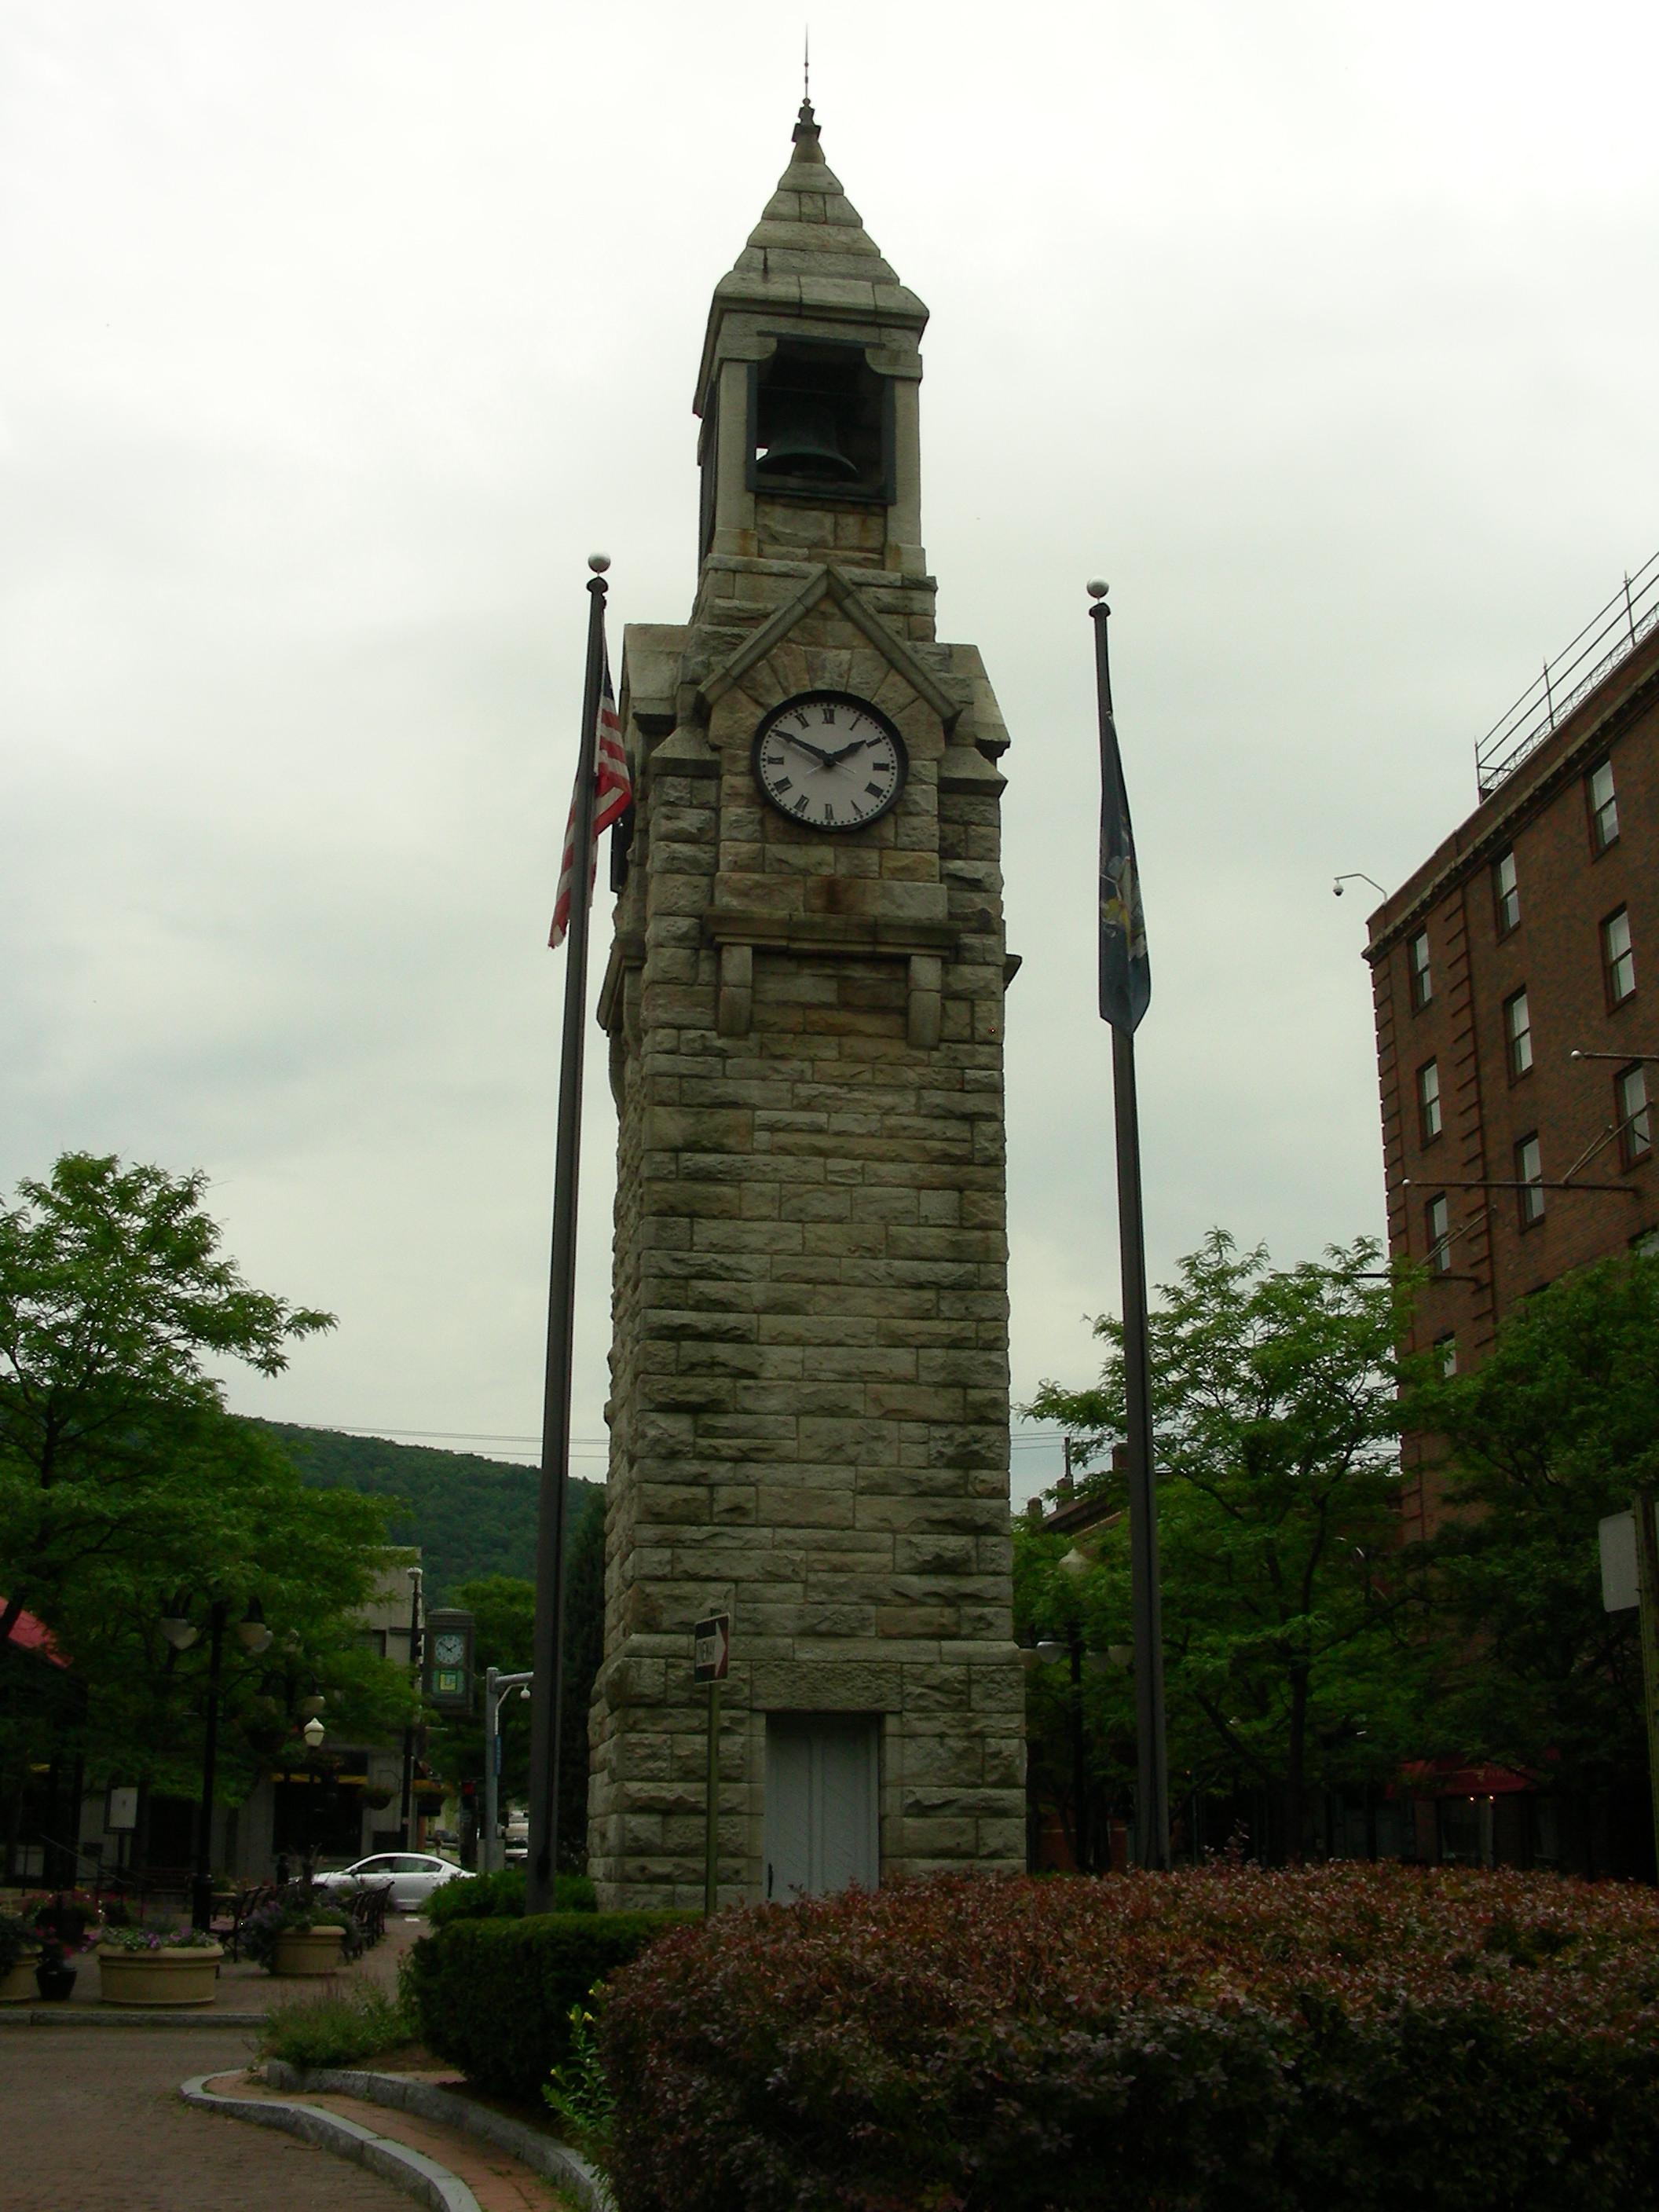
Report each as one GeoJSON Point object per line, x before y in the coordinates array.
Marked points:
{"type": "Point", "coordinates": [334, 2028]}
{"type": "Point", "coordinates": [127, 1493]}
{"type": "Point", "coordinates": [495, 1996]}
{"type": "Point", "coordinates": [579, 2093]}
{"type": "Point", "coordinates": [113, 1296]}
{"type": "Point", "coordinates": [1557, 1428]}
{"type": "Point", "coordinates": [500, 1897]}
{"type": "Point", "coordinates": [1277, 1418]}
{"type": "Point", "coordinates": [474, 1518]}
{"type": "Point", "coordinates": [1225, 2040]}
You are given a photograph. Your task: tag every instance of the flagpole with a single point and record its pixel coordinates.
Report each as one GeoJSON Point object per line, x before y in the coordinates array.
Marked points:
{"type": "Point", "coordinates": [1152, 1750]}
{"type": "Point", "coordinates": [547, 1682]}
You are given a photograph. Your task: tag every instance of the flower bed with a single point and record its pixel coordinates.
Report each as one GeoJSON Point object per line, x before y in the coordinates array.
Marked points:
{"type": "Point", "coordinates": [1365, 2039]}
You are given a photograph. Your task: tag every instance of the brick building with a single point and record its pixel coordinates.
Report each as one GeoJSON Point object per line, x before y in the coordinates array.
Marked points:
{"type": "Point", "coordinates": [1515, 976]}
{"type": "Point", "coordinates": [1529, 936]}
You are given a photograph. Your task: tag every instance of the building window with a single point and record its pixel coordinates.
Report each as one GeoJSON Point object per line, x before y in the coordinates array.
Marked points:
{"type": "Point", "coordinates": [1617, 960]}
{"type": "Point", "coordinates": [1603, 807]}
{"type": "Point", "coordinates": [1505, 893]}
{"type": "Point", "coordinates": [1635, 1132]}
{"type": "Point", "coordinates": [1645, 1244]}
{"type": "Point", "coordinates": [1529, 1173]}
{"type": "Point", "coordinates": [1445, 1354]}
{"type": "Point", "coordinates": [1417, 961]}
{"type": "Point", "coordinates": [1428, 1101]}
{"type": "Point", "coordinates": [1437, 1220]}
{"type": "Point", "coordinates": [1517, 1035]}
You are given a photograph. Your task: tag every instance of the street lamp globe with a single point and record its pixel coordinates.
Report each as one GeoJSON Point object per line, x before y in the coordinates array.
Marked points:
{"type": "Point", "coordinates": [314, 1732]}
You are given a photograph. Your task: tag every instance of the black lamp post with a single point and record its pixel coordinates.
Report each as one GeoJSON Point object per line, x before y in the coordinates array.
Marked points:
{"type": "Point", "coordinates": [405, 1815]}
{"type": "Point", "coordinates": [182, 1632]}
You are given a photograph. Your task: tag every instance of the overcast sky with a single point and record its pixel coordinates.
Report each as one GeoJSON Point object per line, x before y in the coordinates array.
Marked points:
{"type": "Point", "coordinates": [336, 337]}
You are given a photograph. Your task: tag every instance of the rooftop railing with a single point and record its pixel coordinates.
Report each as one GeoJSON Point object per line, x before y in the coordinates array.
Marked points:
{"type": "Point", "coordinates": [1547, 701]}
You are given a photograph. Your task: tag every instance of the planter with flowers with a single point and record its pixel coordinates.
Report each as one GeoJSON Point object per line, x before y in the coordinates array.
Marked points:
{"type": "Point", "coordinates": [19, 1948]}
{"type": "Point", "coordinates": [156, 1966]}
{"type": "Point", "coordinates": [296, 1934]}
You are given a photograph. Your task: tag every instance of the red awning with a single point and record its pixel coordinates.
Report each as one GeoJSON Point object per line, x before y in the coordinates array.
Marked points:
{"type": "Point", "coordinates": [29, 1634]}
{"type": "Point", "coordinates": [1444, 1777]}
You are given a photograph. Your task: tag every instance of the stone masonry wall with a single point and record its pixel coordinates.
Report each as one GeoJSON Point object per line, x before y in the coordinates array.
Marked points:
{"type": "Point", "coordinates": [810, 1382]}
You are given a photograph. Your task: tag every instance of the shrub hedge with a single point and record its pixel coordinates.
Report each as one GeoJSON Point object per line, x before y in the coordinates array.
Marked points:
{"type": "Point", "coordinates": [494, 1996]}
{"type": "Point", "coordinates": [501, 1896]}
{"type": "Point", "coordinates": [1374, 2038]}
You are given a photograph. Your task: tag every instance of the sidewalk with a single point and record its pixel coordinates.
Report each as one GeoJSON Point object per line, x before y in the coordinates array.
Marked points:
{"type": "Point", "coordinates": [499, 2182]}
{"type": "Point", "coordinates": [92, 2121]}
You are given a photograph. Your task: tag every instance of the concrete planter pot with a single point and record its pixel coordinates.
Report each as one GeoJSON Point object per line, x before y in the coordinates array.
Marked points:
{"type": "Point", "coordinates": [17, 1982]}
{"type": "Point", "coordinates": [309, 1951]}
{"type": "Point", "coordinates": [160, 1978]}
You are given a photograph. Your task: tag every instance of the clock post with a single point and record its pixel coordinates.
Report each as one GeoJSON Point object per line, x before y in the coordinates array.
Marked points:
{"type": "Point", "coordinates": [804, 1000]}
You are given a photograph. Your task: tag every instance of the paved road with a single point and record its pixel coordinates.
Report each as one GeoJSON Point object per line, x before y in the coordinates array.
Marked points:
{"type": "Point", "coordinates": [88, 2123]}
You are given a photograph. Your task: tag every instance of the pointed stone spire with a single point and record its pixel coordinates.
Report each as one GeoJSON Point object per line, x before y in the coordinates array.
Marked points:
{"type": "Point", "coordinates": [810, 253]}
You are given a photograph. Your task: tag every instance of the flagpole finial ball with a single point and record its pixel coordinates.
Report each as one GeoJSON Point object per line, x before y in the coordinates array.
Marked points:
{"type": "Point", "coordinates": [1097, 587]}
{"type": "Point", "coordinates": [598, 563]}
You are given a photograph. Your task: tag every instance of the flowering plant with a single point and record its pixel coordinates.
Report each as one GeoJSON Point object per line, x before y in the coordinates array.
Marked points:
{"type": "Point", "coordinates": [156, 1938]}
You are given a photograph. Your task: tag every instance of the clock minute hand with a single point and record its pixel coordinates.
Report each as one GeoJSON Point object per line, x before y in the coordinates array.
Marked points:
{"type": "Point", "coordinates": [823, 758]}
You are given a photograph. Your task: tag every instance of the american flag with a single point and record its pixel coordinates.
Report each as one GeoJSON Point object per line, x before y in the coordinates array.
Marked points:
{"type": "Point", "coordinates": [613, 795]}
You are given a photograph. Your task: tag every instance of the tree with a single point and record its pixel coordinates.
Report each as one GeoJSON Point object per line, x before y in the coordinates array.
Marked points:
{"type": "Point", "coordinates": [112, 1294]}
{"type": "Point", "coordinates": [1276, 1414]}
{"type": "Point", "coordinates": [1557, 1428]}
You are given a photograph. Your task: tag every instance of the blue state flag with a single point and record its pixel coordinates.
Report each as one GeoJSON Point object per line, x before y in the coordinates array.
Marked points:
{"type": "Point", "coordinates": [1126, 973]}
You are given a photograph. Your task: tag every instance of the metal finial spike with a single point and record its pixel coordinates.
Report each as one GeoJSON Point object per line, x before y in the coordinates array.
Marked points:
{"type": "Point", "coordinates": [806, 63]}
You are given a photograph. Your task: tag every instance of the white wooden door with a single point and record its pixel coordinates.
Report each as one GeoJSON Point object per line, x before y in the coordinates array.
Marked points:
{"type": "Point", "coordinates": [820, 1804]}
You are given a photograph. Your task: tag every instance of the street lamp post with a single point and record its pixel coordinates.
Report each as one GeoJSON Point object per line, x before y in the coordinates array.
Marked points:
{"type": "Point", "coordinates": [182, 1632]}
{"type": "Point", "coordinates": [404, 1812]}
{"type": "Point", "coordinates": [496, 1686]}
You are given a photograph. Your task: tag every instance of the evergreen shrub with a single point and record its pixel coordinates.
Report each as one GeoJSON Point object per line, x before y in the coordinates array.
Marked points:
{"type": "Point", "coordinates": [501, 1896]}
{"type": "Point", "coordinates": [1368, 2038]}
{"type": "Point", "coordinates": [495, 1996]}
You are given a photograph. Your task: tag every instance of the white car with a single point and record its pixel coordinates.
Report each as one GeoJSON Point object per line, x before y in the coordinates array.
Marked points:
{"type": "Point", "coordinates": [413, 1876]}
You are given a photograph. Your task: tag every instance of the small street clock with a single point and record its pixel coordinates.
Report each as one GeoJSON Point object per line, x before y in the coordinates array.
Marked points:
{"type": "Point", "coordinates": [830, 761]}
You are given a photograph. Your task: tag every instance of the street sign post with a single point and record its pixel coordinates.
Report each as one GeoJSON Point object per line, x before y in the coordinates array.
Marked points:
{"type": "Point", "coordinates": [711, 1660]}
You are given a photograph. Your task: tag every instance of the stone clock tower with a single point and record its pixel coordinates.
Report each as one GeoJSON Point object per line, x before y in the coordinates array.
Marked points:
{"type": "Point", "coordinates": [805, 1005]}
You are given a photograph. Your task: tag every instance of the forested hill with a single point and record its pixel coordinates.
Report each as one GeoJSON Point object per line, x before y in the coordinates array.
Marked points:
{"type": "Point", "coordinates": [469, 1515]}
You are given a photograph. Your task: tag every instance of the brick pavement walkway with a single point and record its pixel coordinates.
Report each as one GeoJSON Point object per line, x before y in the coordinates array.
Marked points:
{"type": "Point", "coordinates": [499, 2182]}
{"type": "Point", "coordinates": [91, 2121]}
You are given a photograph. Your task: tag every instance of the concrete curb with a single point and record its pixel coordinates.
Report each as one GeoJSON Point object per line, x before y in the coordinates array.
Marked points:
{"type": "Point", "coordinates": [127, 2016]}
{"type": "Point", "coordinates": [411, 2170]}
{"type": "Point", "coordinates": [554, 2161]}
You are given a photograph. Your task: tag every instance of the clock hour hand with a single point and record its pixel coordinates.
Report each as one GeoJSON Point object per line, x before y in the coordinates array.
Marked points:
{"type": "Point", "coordinates": [847, 751]}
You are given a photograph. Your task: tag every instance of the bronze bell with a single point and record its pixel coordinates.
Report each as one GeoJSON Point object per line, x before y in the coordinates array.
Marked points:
{"type": "Point", "coordinates": [801, 441]}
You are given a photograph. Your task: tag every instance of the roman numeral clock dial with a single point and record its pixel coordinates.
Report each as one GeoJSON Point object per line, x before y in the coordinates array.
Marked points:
{"type": "Point", "coordinates": [830, 761]}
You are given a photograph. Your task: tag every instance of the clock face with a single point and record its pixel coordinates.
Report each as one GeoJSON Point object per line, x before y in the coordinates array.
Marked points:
{"type": "Point", "coordinates": [830, 761]}
{"type": "Point", "coordinates": [449, 1651]}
